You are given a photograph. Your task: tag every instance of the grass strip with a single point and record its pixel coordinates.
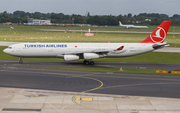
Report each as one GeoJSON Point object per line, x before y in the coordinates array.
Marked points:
{"type": "Point", "coordinates": [124, 70]}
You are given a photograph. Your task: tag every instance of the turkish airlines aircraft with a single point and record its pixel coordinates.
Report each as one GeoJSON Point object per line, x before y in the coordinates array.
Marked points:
{"type": "Point", "coordinates": [89, 51]}
{"type": "Point", "coordinates": [131, 26]}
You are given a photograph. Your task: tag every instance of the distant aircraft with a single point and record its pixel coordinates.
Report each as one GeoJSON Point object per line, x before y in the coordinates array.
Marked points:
{"type": "Point", "coordinates": [131, 26]}
{"type": "Point", "coordinates": [89, 51]}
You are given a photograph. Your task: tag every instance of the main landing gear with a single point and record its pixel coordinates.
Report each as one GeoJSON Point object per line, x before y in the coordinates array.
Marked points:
{"type": "Point", "coordinates": [86, 62]}
{"type": "Point", "coordinates": [20, 60]}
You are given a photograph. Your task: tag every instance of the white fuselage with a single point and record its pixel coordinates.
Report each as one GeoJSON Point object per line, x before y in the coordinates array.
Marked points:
{"type": "Point", "coordinates": [131, 26]}
{"type": "Point", "coordinates": [61, 49]}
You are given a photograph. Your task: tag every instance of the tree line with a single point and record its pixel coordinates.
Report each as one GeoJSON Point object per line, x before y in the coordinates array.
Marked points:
{"type": "Point", "coordinates": [151, 18]}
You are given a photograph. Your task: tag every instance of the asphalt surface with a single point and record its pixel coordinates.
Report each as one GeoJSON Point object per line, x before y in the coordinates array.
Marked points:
{"type": "Point", "coordinates": [154, 85]}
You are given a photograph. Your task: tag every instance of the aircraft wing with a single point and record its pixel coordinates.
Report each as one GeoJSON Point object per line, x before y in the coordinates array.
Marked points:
{"type": "Point", "coordinates": [98, 51]}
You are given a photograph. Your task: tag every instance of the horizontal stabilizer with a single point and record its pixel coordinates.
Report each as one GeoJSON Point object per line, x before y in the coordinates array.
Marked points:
{"type": "Point", "coordinates": [158, 46]}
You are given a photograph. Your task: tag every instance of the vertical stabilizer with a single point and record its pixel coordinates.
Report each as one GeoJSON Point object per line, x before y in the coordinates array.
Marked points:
{"type": "Point", "coordinates": [120, 24]}
{"type": "Point", "coordinates": [159, 34]}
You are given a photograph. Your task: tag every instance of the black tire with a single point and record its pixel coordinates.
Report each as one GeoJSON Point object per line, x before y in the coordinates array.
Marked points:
{"type": "Point", "coordinates": [92, 63]}
{"type": "Point", "coordinates": [86, 62]}
{"type": "Point", "coordinates": [20, 61]}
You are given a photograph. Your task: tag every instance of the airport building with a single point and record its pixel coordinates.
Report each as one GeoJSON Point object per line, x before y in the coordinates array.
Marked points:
{"type": "Point", "coordinates": [38, 22]}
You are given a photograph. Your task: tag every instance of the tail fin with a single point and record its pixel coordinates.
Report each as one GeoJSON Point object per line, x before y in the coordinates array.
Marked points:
{"type": "Point", "coordinates": [120, 23]}
{"type": "Point", "coordinates": [158, 35]}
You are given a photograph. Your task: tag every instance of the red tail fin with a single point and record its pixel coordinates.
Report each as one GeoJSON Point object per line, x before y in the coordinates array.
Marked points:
{"type": "Point", "coordinates": [159, 34]}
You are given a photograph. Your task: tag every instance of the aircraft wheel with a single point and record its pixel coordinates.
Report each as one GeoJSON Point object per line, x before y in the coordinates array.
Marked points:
{"type": "Point", "coordinates": [85, 62]}
{"type": "Point", "coordinates": [92, 63]}
{"type": "Point", "coordinates": [20, 61]}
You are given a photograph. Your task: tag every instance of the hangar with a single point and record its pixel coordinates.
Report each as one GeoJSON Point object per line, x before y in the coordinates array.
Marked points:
{"type": "Point", "coordinates": [32, 21]}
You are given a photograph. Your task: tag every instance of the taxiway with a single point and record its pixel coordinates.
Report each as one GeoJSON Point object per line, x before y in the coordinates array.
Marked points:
{"type": "Point", "coordinates": [49, 90]}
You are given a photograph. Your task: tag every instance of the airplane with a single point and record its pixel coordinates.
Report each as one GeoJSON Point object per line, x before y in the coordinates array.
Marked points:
{"type": "Point", "coordinates": [90, 51]}
{"type": "Point", "coordinates": [131, 26]}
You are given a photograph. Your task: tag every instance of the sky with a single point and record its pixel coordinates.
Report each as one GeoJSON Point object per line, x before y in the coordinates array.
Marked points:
{"type": "Point", "coordinates": [94, 7]}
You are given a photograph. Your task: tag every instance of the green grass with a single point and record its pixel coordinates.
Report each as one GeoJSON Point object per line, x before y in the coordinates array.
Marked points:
{"type": "Point", "coordinates": [124, 70]}
{"type": "Point", "coordinates": [53, 36]}
{"type": "Point", "coordinates": [57, 36]}
{"type": "Point", "coordinates": [49, 36]}
{"type": "Point", "coordinates": [102, 69]}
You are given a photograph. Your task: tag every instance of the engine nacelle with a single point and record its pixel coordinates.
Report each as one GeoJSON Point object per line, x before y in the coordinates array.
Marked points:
{"type": "Point", "coordinates": [89, 56]}
{"type": "Point", "coordinates": [71, 57]}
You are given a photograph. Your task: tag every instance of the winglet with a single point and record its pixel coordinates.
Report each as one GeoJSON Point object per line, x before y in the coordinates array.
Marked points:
{"type": "Point", "coordinates": [159, 34]}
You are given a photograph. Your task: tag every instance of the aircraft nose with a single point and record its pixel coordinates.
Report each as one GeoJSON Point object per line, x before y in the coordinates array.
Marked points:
{"type": "Point", "coordinates": [5, 51]}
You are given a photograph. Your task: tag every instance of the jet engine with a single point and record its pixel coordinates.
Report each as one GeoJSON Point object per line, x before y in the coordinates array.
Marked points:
{"type": "Point", "coordinates": [89, 56]}
{"type": "Point", "coordinates": [71, 57]}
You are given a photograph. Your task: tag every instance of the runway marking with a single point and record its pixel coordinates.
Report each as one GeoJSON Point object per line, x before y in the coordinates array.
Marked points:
{"type": "Point", "coordinates": [83, 75]}
{"type": "Point", "coordinates": [92, 95]}
{"type": "Point", "coordinates": [84, 99]}
{"type": "Point", "coordinates": [21, 90]}
{"type": "Point", "coordinates": [73, 98]}
{"type": "Point", "coordinates": [16, 109]}
{"type": "Point", "coordinates": [36, 95]}
{"type": "Point", "coordinates": [137, 85]}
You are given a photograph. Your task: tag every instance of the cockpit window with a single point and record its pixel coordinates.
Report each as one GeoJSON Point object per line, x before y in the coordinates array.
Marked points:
{"type": "Point", "coordinates": [9, 48]}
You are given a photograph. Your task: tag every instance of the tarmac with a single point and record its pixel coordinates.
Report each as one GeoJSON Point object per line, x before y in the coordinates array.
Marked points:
{"type": "Point", "coordinates": [18, 100]}
{"type": "Point", "coordinates": [33, 90]}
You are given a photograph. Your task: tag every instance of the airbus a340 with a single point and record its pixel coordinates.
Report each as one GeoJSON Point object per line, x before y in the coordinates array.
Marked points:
{"type": "Point", "coordinates": [89, 51]}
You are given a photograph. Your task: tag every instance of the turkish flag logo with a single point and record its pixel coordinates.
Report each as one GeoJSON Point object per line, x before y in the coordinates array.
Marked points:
{"type": "Point", "coordinates": [158, 35]}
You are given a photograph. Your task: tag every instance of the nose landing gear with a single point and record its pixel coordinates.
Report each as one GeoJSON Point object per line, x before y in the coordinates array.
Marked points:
{"type": "Point", "coordinates": [20, 60]}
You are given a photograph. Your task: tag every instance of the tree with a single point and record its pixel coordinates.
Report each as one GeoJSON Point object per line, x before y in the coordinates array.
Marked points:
{"type": "Point", "coordinates": [129, 15]}
{"type": "Point", "coordinates": [120, 18]}
{"type": "Point", "coordinates": [37, 15]}
{"type": "Point", "coordinates": [176, 16]}
{"type": "Point", "coordinates": [19, 14]}
{"type": "Point", "coordinates": [88, 15]}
